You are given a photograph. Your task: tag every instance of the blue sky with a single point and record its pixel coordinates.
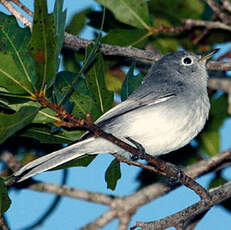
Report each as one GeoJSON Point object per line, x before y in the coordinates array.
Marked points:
{"type": "Point", "coordinates": [28, 205]}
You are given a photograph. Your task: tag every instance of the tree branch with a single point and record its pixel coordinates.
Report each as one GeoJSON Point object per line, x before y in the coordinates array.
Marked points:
{"type": "Point", "coordinates": [101, 221]}
{"type": "Point", "coordinates": [190, 23]}
{"type": "Point", "coordinates": [219, 12]}
{"type": "Point", "coordinates": [25, 21]}
{"type": "Point", "coordinates": [218, 195]}
{"type": "Point", "coordinates": [214, 65]}
{"type": "Point", "coordinates": [76, 193]}
{"type": "Point", "coordinates": [227, 5]}
{"type": "Point", "coordinates": [23, 7]}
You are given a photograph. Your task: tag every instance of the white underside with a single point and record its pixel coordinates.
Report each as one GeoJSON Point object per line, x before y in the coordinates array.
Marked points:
{"type": "Point", "coordinates": [160, 129]}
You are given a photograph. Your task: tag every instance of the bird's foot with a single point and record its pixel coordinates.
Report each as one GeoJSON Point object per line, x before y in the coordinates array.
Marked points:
{"type": "Point", "coordinates": [175, 180]}
{"type": "Point", "coordinates": [140, 147]}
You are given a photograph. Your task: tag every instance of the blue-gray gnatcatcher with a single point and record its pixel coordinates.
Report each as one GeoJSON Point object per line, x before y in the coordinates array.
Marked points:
{"type": "Point", "coordinates": [163, 114]}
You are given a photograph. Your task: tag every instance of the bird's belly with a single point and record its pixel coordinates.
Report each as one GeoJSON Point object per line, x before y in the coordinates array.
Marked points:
{"type": "Point", "coordinates": [163, 131]}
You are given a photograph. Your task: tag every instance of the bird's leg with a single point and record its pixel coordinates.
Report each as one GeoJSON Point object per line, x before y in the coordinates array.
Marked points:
{"type": "Point", "coordinates": [171, 171]}
{"type": "Point", "coordinates": [175, 180]}
{"type": "Point", "coordinates": [140, 147]}
{"type": "Point", "coordinates": [172, 180]}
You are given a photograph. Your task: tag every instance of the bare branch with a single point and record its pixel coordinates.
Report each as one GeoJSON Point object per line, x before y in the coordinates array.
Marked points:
{"type": "Point", "coordinates": [214, 65]}
{"type": "Point", "coordinates": [72, 192]}
{"type": "Point", "coordinates": [124, 222]}
{"type": "Point", "coordinates": [100, 222]}
{"type": "Point", "coordinates": [220, 84]}
{"type": "Point", "coordinates": [25, 21]}
{"type": "Point", "coordinates": [75, 42]}
{"type": "Point", "coordinates": [23, 7]}
{"type": "Point", "coordinates": [218, 195]}
{"type": "Point", "coordinates": [227, 5]}
{"type": "Point", "coordinates": [219, 12]}
{"type": "Point", "coordinates": [190, 23]}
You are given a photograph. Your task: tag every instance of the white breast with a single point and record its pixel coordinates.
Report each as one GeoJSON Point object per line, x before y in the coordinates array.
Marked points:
{"type": "Point", "coordinates": [160, 129]}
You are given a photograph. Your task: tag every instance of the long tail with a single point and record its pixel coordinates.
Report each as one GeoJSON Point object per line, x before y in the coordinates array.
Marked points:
{"type": "Point", "coordinates": [53, 159]}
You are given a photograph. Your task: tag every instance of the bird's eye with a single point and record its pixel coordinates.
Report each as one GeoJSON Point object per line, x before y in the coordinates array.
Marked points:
{"type": "Point", "coordinates": [187, 61]}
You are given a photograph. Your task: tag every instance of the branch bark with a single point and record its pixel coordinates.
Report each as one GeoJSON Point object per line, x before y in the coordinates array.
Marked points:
{"type": "Point", "coordinates": [218, 195]}
{"type": "Point", "coordinates": [225, 17]}
{"type": "Point", "coordinates": [25, 21]}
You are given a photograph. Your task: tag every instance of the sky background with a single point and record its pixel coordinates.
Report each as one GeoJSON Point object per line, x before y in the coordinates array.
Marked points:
{"type": "Point", "coordinates": [70, 214]}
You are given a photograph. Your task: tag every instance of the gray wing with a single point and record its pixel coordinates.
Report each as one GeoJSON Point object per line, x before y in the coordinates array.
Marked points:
{"type": "Point", "coordinates": [138, 99]}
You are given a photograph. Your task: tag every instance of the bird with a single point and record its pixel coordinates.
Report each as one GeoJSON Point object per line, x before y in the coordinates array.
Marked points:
{"type": "Point", "coordinates": [163, 114]}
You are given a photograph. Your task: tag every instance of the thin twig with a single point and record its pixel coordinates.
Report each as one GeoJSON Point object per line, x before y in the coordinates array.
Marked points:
{"type": "Point", "coordinates": [219, 12]}
{"type": "Point", "coordinates": [226, 55]}
{"type": "Point", "coordinates": [190, 23]}
{"type": "Point", "coordinates": [101, 221]}
{"type": "Point", "coordinates": [25, 21]}
{"type": "Point", "coordinates": [75, 42]}
{"type": "Point", "coordinates": [23, 7]}
{"type": "Point", "coordinates": [227, 5]}
{"type": "Point", "coordinates": [200, 36]}
{"type": "Point", "coordinates": [214, 65]}
{"type": "Point", "coordinates": [76, 193]}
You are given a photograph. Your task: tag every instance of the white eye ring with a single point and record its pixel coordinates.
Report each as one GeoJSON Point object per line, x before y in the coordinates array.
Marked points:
{"type": "Point", "coordinates": [187, 61]}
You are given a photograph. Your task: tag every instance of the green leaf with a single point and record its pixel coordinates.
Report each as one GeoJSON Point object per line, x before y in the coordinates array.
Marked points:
{"type": "Point", "coordinates": [180, 9]}
{"type": "Point", "coordinates": [16, 66]}
{"type": "Point", "coordinates": [209, 139]}
{"type": "Point", "coordinates": [4, 198]}
{"type": "Point", "coordinates": [95, 19]}
{"type": "Point", "coordinates": [80, 95]}
{"type": "Point", "coordinates": [130, 83]}
{"type": "Point", "coordinates": [70, 61]}
{"type": "Point", "coordinates": [10, 99]}
{"type": "Point", "coordinates": [43, 44]}
{"type": "Point", "coordinates": [114, 80]}
{"type": "Point", "coordinates": [59, 21]}
{"type": "Point", "coordinates": [10, 124]}
{"type": "Point", "coordinates": [113, 174]}
{"type": "Point", "coordinates": [217, 181]}
{"type": "Point", "coordinates": [97, 86]}
{"type": "Point", "coordinates": [44, 135]}
{"type": "Point", "coordinates": [166, 44]}
{"type": "Point", "coordinates": [77, 22]}
{"type": "Point", "coordinates": [125, 37]}
{"type": "Point", "coordinates": [90, 55]}
{"type": "Point", "coordinates": [134, 13]}
{"type": "Point", "coordinates": [45, 116]}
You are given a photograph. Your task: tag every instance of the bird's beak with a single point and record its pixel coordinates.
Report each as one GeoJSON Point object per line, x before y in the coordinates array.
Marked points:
{"type": "Point", "coordinates": [207, 56]}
